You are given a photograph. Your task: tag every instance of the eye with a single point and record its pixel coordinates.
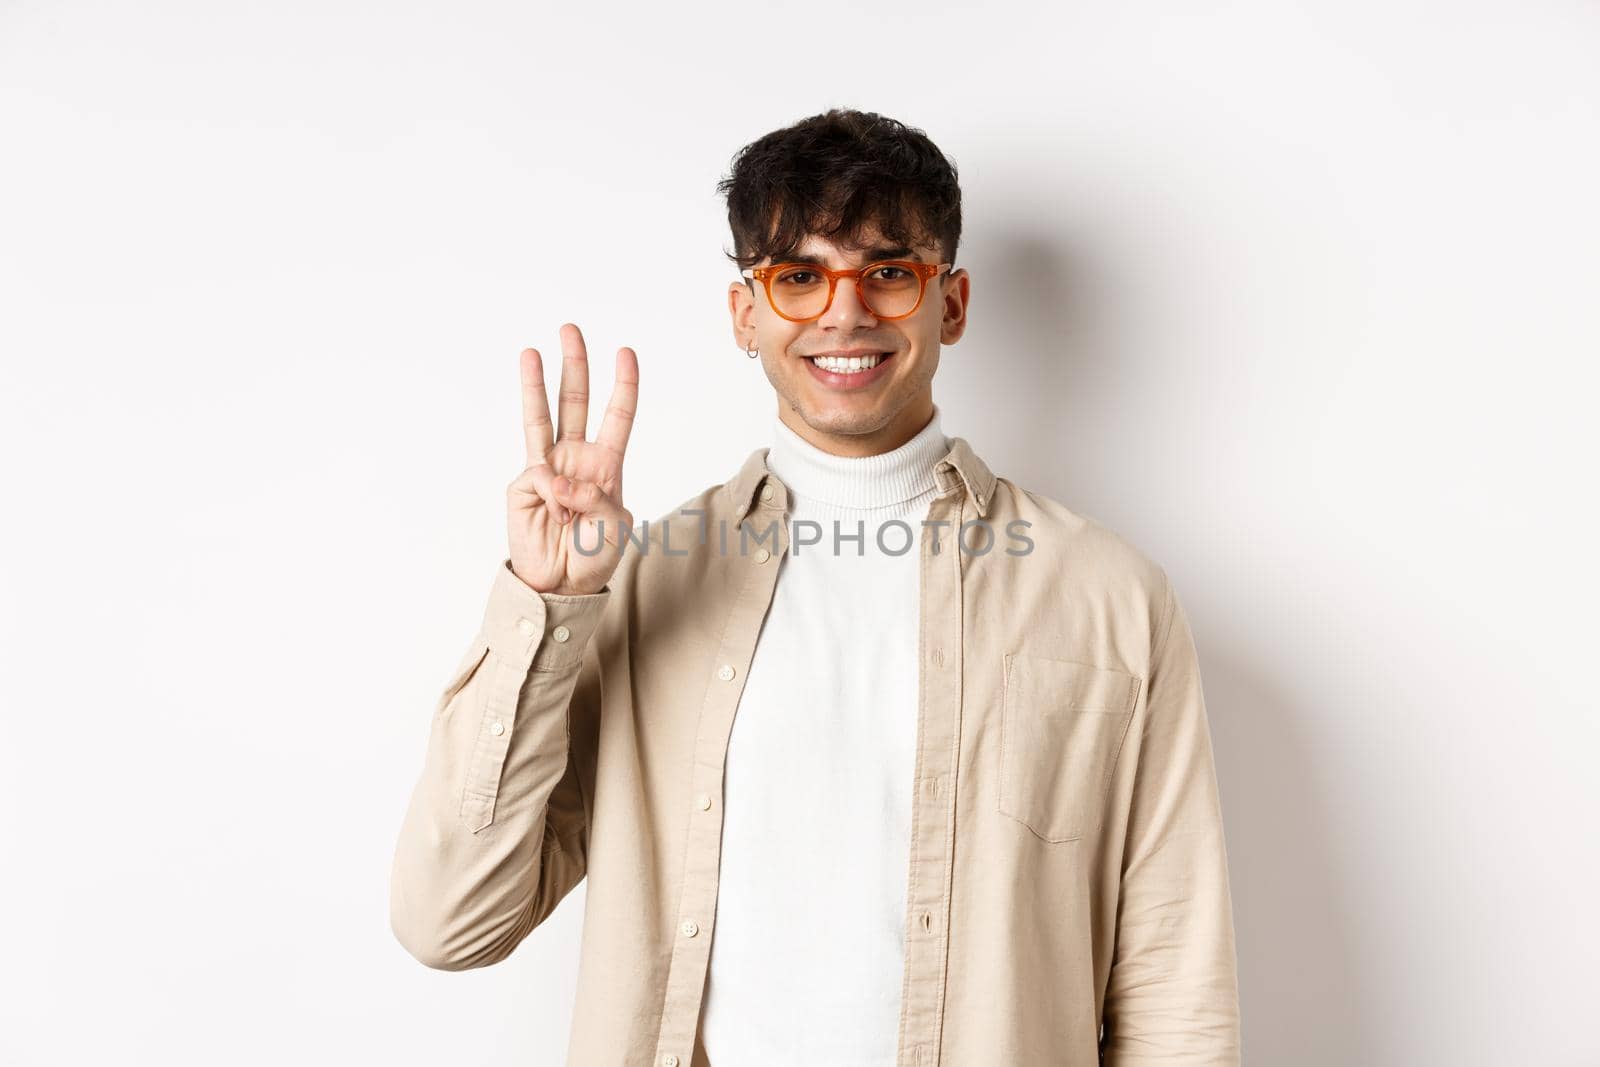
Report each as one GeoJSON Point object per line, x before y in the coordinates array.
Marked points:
{"type": "Point", "coordinates": [891, 273]}
{"type": "Point", "coordinates": [797, 277]}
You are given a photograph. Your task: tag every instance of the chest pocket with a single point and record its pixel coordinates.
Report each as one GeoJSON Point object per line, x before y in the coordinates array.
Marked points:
{"type": "Point", "coordinates": [1062, 726]}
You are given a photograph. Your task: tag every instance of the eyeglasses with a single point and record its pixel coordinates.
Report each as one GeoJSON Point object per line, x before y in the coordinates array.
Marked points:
{"type": "Point", "coordinates": [890, 289]}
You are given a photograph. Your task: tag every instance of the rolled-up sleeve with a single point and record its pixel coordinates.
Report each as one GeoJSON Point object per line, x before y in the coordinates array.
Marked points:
{"type": "Point", "coordinates": [495, 833]}
{"type": "Point", "coordinates": [1172, 996]}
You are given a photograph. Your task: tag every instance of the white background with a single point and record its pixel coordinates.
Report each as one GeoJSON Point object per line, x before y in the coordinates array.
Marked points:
{"type": "Point", "coordinates": [1301, 299]}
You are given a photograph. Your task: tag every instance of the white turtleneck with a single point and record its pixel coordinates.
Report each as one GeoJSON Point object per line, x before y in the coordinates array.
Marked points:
{"type": "Point", "coordinates": [807, 956]}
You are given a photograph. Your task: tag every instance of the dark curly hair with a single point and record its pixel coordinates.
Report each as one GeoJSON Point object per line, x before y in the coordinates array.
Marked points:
{"type": "Point", "coordinates": [831, 175]}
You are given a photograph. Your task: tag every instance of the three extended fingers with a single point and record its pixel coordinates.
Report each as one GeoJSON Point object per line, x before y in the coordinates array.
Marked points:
{"type": "Point", "coordinates": [540, 437]}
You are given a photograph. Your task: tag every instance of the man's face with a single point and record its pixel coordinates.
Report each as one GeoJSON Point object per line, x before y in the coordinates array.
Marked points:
{"type": "Point", "coordinates": [872, 410]}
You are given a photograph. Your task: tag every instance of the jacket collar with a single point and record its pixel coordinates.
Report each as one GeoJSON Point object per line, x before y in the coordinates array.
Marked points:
{"type": "Point", "coordinates": [960, 467]}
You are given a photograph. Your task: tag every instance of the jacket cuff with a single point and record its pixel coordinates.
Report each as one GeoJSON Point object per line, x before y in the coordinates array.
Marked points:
{"type": "Point", "coordinates": [547, 631]}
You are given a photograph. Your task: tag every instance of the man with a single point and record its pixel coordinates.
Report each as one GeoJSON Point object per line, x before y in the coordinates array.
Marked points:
{"type": "Point", "coordinates": [870, 757]}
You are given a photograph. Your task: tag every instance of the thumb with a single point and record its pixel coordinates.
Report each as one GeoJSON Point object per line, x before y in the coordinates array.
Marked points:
{"type": "Point", "coordinates": [589, 500]}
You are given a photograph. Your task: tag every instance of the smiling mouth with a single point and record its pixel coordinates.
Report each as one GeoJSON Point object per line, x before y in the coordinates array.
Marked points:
{"type": "Point", "coordinates": [850, 364]}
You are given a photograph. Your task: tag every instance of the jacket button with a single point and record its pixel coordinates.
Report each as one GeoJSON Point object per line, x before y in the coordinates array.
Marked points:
{"type": "Point", "coordinates": [725, 672]}
{"type": "Point", "coordinates": [690, 928]}
{"type": "Point", "coordinates": [669, 1060]}
{"type": "Point", "coordinates": [526, 627]}
{"type": "Point", "coordinates": [561, 633]}
{"type": "Point", "coordinates": [703, 801]}
{"type": "Point", "coordinates": [498, 728]}
{"type": "Point", "coordinates": [766, 492]}
{"type": "Point", "coordinates": [763, 555]}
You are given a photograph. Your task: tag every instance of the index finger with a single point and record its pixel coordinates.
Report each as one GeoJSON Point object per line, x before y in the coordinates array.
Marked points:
{"type": "Point", "coordinates": [618, 421]}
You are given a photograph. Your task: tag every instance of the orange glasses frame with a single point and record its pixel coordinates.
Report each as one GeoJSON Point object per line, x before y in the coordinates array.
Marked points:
{"type": "Point", "coordinates": [923, 271]}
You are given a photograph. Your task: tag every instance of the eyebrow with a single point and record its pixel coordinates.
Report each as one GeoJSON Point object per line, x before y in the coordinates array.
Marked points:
{"type": "Point", "coordinates": [873, 256]}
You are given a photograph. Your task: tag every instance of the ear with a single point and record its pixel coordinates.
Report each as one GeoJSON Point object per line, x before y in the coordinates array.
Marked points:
{"type": "Point", "coordinates": [955, 287]}
{"type": "Point", "coordinates": [742, 312]}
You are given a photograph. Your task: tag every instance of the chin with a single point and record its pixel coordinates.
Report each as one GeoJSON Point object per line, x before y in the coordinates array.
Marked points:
{"type": "Point", "coordinates": [845, 418]}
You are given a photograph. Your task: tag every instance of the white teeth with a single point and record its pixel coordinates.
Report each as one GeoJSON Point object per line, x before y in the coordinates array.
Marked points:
{"type": "Point", "coordinates": [848, 364]}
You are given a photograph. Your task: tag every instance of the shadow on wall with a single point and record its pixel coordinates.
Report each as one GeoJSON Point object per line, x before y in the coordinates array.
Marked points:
{"type": "Point", "coordinates": [1308, 977]}
{"type": "Point", "coordinates": [1045, 339]}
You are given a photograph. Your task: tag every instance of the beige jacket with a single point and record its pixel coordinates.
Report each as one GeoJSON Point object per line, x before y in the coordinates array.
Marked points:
{"type": "Point", "coordinates": [1067, 864]}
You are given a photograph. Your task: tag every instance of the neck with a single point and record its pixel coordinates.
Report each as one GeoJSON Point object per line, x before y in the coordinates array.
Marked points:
{"type": "Point", "coordinates": [879, 480]}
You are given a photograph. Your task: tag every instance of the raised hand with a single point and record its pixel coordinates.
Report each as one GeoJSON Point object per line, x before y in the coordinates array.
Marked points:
{"type": "Point", "coordinates": [571, 490]}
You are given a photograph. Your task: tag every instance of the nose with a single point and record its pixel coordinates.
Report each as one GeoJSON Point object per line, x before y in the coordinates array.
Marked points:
{"type": "Point", "coordinates": [847, 310]}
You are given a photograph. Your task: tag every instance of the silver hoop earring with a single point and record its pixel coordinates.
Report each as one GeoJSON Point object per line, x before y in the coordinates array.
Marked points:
{"type": "Point", "coordinates": [750, 351]}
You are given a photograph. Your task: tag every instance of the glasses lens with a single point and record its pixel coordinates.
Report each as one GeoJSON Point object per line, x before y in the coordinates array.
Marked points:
{"type": "Point", "coordinates": [799, 291]}
{"type": "Point", "coordinates": [891, 290]}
